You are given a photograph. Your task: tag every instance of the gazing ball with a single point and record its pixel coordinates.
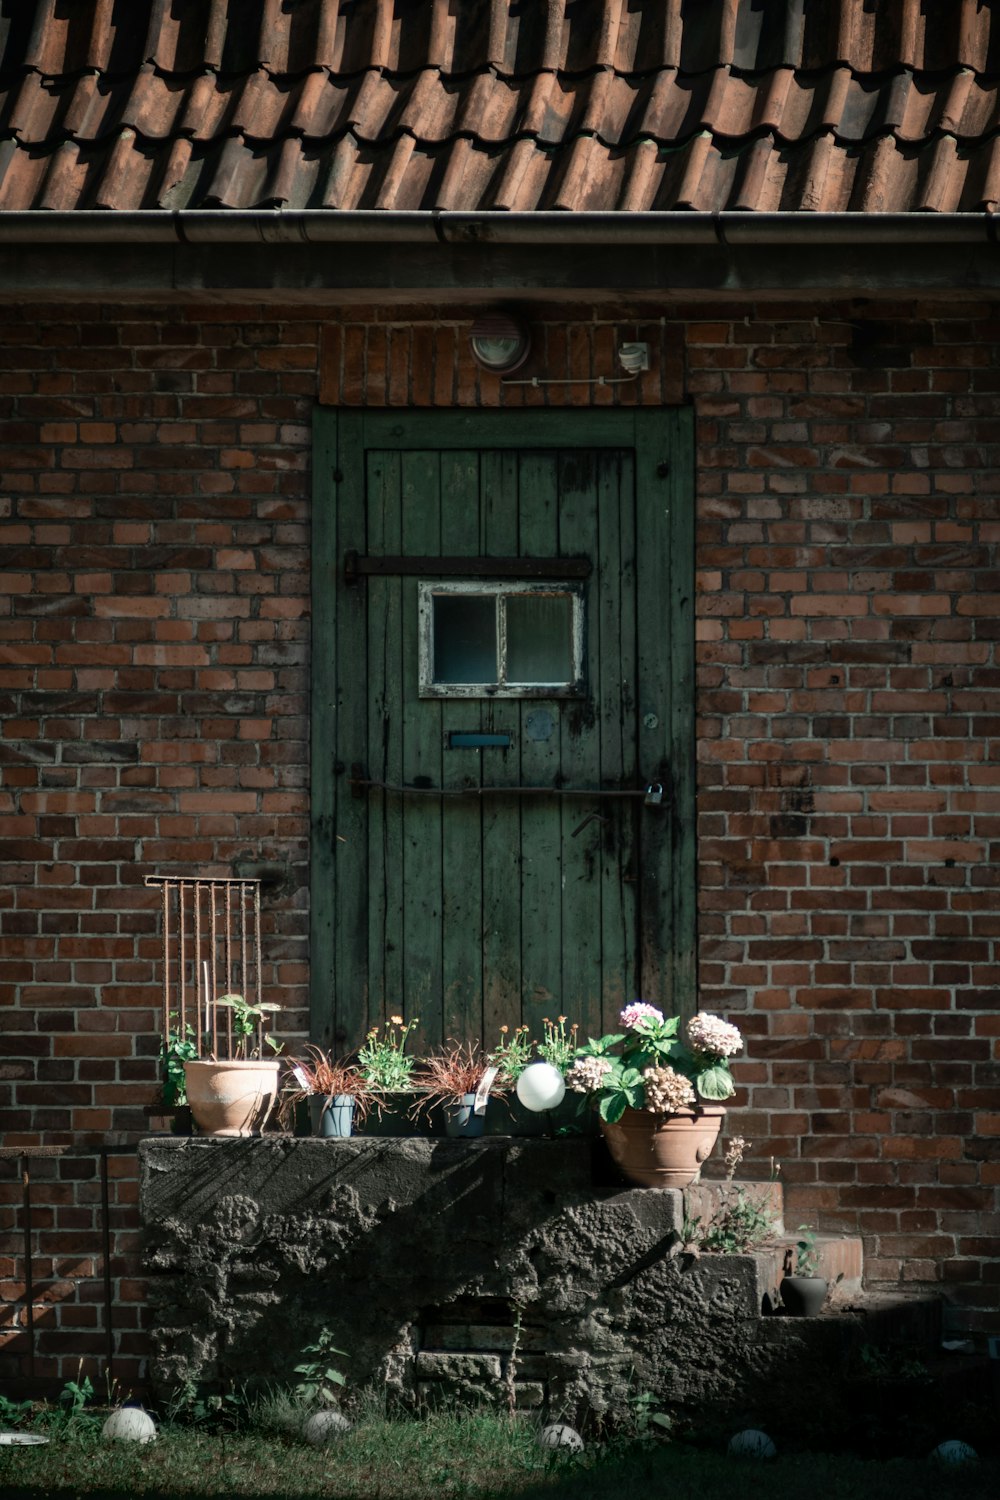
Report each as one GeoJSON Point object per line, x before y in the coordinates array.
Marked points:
{"type": "Point", "coordinates": [130, 1423]}
{"type": "Point", "coordinates": [541, 1086]}
{"type": "Point", "coordinates": [323, 1426]}
{"type": "Point", "coordinates": [752, 1444]}
{"type": "Point", "coordinates": [954, 1452]}
{"type": "Point", "coordinates": [558, 1435]}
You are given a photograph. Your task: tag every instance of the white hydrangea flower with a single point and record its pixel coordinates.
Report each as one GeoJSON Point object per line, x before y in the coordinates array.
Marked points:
{"type": "Point", "coordinates": [667, 1091]}
{"type": "Point", "coordinates": [587, 1074]}
{"type": "Point", "coordinates": [710, 1034]}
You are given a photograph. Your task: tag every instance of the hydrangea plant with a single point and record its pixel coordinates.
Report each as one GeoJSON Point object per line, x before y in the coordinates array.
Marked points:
{"type": "Point", "coordinates": [652, 1065]}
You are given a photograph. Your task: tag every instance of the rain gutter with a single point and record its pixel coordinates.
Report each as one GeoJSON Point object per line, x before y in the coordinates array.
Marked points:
{"type": "Point", "coordinates": [195, 227]}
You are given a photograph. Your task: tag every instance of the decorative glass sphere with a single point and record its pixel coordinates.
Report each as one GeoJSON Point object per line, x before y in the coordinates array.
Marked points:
{"type": "Point", "coordinates": [131, 1424]}
{"type": "Point", "coordinates": [954, 1452]}
{"type": "Point", "coordinates": [541, 1086]}
{"type": "Point", "coordinates": [751, 1444]}
{"type": "Point", "coordinates": [558, 1435]}
{"type": "Point", "coordinates": [323, 1426]}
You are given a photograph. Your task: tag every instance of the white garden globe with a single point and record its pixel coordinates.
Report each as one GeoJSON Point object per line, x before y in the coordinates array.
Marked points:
{"type": "Point", "coordinates": [323, 1426]}
{"type": "Point", "coordinates": [752, 1444]}
{"type": "Point", "coordinates": [954, 1452]}
{"type": "Point", "coordinates": [129, 1424]}
{"type": "Point", "coordinates": [559, 1435]}
{"type": "Point", "coordinates": [541, 1086]}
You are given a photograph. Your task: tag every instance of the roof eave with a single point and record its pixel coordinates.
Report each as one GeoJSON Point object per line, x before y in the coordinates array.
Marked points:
{"type": "Point", "coordinates": [331, 257]}
{"type": "Point", "coordinates": [326, 226]}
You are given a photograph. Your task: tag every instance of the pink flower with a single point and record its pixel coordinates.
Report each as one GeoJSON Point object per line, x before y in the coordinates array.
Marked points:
{"type": "Point", "coordinates": [639, 1011]}
{"type": "Point", "coordinates": [710, 1034]}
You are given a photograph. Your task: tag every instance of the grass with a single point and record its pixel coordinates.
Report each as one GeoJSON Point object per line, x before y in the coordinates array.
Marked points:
{"type": "Point", "coordinates": [481, 1456]}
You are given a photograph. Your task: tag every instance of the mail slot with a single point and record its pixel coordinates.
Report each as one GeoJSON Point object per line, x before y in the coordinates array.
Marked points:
{"type": "Point", "coordinates": [467, 739]}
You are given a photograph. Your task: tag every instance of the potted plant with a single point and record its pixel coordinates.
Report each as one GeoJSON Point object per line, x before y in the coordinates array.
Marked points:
{"type": "Point", "coordinates": [234, 1094]}
{"type": "Point", "coordinates": [659, 1093]}
{"type": "Point", "coordinates": [334, 1089]}
{"type": "Point", "coordinates": [803, 1292]}
{"type": "Point", "coordinates": [452, 1081]}
{"type": "Point", "coordinates": [387, 1069]}
{"type": "Point", "coordinates": [171, 1114]}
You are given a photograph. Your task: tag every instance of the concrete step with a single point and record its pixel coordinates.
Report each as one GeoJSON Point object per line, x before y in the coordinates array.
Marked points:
{"type": "Point", "coordinates": [709, 1205]}
{"type": "Point", "coordinates": [839, 1263]}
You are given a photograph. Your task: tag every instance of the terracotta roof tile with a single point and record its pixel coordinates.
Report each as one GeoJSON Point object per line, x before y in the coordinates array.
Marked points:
{"type": "Point", "coordinates": [510, 104]}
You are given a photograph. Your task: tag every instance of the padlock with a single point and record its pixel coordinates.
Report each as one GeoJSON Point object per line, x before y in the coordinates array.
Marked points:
{"type": "Point", "coordinates": [654, 794]}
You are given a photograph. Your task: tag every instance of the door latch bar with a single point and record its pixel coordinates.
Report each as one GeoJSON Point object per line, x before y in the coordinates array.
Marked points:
{"type": "Point", "coordinates": [360, 784]}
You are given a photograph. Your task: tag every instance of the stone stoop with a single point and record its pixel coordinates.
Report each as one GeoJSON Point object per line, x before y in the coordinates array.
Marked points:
{"type": "Point", "coordinates": [504, 1270]}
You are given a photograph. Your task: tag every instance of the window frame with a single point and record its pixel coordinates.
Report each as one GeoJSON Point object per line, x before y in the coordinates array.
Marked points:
{"type": "Point", "coordinates": [499, 592]}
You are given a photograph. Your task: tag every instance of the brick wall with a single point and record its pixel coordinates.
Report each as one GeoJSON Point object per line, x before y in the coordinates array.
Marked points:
{"type": "Point", "coordinates": [154, 484]}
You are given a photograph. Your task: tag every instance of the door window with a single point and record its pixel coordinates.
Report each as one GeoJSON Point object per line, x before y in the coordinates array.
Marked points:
{"type": "Point", "coordinates": [500, 640]}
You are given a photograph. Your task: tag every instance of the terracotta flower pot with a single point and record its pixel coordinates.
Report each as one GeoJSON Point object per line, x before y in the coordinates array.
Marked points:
{"type": "Point", "coordinates": [664, 1151]}
{"type": "Point", "coordinates": [231, 1098]}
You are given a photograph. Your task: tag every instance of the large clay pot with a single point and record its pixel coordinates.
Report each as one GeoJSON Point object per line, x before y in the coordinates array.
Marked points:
{"type": "Point", "coordinates": [231, 1098]}
{"type": "Point", "coordinates": [664, 1151]}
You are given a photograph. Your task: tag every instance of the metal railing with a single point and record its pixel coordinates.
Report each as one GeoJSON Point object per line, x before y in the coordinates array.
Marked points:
{"type": "Point", "coordinates": [211, 947]}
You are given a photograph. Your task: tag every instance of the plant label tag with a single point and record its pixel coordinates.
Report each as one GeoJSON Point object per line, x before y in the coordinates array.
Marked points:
{"type": "Point", "coordinates": [301, 1079]}
{"type": "Point", "coordinates": [483, 1091]}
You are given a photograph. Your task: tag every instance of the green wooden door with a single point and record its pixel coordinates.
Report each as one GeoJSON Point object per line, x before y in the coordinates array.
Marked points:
{"type": "Point", "coordinates": [480, 854]}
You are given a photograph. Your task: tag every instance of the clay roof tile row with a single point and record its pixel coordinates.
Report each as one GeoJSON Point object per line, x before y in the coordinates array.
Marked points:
{"type": "Point", "coordinates": [836, 105]}
{"type": "Point", "coordinates": [667, 107]}
{"type": "Point", "coordinates": [61, 37]}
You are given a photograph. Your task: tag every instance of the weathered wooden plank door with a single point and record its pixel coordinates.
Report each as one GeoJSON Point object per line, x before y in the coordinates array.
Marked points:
{"type": "Point", "coordinates": [501, 666]}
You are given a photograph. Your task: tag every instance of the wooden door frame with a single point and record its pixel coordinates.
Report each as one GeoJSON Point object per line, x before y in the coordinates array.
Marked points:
{"type": "Point", "coordinates": [663, 443]}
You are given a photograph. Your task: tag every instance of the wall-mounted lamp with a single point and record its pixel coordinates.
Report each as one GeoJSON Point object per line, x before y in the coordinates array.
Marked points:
{"type": "Point", "coordinates": [633, 357]}
{"type": "Point", "coordinates": [500, 343]}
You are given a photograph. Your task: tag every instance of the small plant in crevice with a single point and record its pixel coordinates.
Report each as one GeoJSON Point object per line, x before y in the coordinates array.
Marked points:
{"type": "Point", "coordinates": [511, 1371]}
{"type": "Point", "coordinates": [741, 1222]}
{"type": "Point", "coordinates": [320, 1379]}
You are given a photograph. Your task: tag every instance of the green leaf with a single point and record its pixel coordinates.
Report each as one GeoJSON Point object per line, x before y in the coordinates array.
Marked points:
{"type": "Point", "coordinates": [599, 1047]}
{"type": "Point", "coordinates": [612, 1107]}
{"type": "Point", "coordinates": [715, 1083]}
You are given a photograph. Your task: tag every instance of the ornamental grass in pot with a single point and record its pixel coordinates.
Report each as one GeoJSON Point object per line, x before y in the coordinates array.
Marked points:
{"type": "Point", "coordinates": [659, 1091]}
{"type": "Point", "coordinates": [334, 1089]}
{"type": "Point", "coordinates": [458, 1082]}
{"type": "Point", "coordinates": [233, 1093]}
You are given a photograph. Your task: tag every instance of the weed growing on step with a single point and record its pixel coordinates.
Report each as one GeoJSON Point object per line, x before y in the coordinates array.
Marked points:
{"type": "Point", "coordinates": [742, 1222]}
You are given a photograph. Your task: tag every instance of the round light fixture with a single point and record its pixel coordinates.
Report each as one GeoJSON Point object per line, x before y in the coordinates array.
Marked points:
{"type": "Point", "coordinates": [500, 343]}
{"type": "Point", "coordinates": [540, 1087]}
